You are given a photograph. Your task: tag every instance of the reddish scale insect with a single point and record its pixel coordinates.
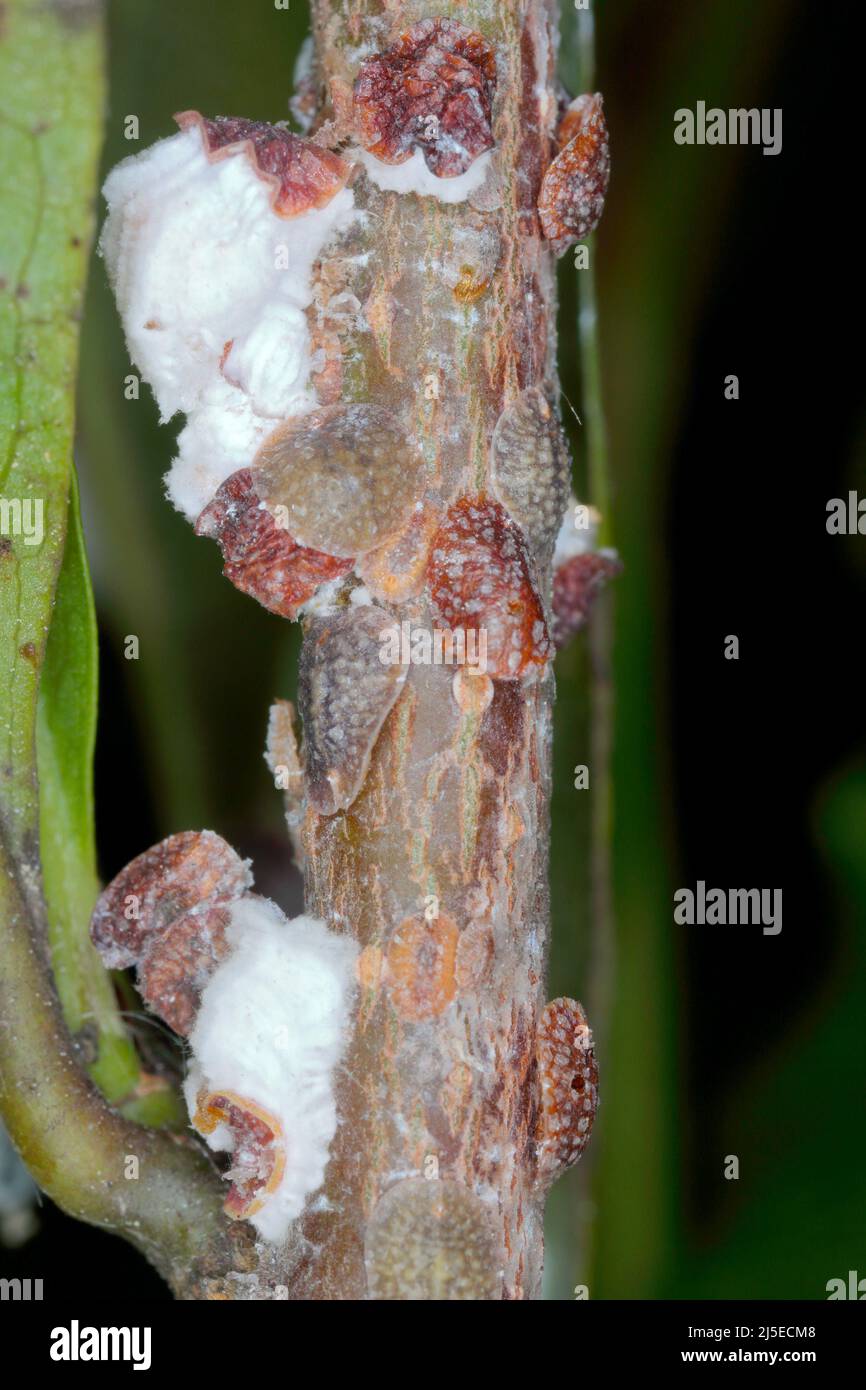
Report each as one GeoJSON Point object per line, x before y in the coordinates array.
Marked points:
{"type": "Point", "coordinates": [571, 199]}
{"type": "Point", "coordinates": [178, 960]}
{"type": "Point", "coordinates": [432, 91]}
{"type": "Point", "coordinates": [261, 558]}
{"type": "Point", "coordinates": [167, 913]}
{"type": "Point", "coordinates": [159, 886]}
{"type": "Point", "coordinates": [568, 1089]}
{"type": "Point", "coordinates": [480, 579]}
{"type": "Point", "coordinates": [302, 175]}
{"type": "Point", "coordinates": [575, 586]}
{"type": "Point", "coordinates": [258, 1152]}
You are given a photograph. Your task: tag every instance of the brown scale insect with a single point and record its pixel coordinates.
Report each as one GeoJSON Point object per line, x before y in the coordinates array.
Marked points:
{"type": "Point", "coordinates": [395, 571]}
{"type": "Point", "coordinates": [421, 959]}
{"type": "Point", "coordinates": [571, 198]}
{"type": "Point", "coordinates": [160, 885]}
{"type": "Point", "coordinates": [531, 470]}
{"type": "Point", "coordinates": [480, 579]}
{"type": "Point", "coordinates": [346, 477]}
{"type": "Point", "coordinates": [260, 557]}
{"type": "Point", "coordinates": [178, 960]}
{"type": "Point", "coordinates": [576, 583]}
{"type": "Point", "coordinates": [179, 894]}
{"type": "Point", "coordinates": [345, 694]}
{"type": "Point", "coordinates": [432, 1241]}
{"type": "Point", "coordinates": [301, 175]}
{"type": "Point", "coordinates": [432, 90]}
{"type": "Point", "coordinates": [567, 1079]}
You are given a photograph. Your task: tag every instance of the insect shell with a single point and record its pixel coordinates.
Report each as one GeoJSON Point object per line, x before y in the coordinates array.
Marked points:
{"type": "Point", "coordinates": [262, 1001]}
{"type": "Point", "coordinates": [432, 91]}
{"type": "Point", "coordinates": [345, 693]}
{"type": "Point", "coordinates": [432, 1240]}
{"type": "Point", "coordinates": [480, 577]}
{"type": "Point", "coordinates": [567, 1079]}
{"type": "Point", "coordinates": [572, 194]}
{"type": "Point", "coordinates": [531, 470]}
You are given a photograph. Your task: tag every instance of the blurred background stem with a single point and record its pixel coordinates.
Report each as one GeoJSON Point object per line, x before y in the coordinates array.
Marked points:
{"type": "Point", "coordinates": [597, 981]}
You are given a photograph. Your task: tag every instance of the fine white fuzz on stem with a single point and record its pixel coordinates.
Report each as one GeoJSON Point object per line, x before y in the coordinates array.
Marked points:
{"type": "Point", "coordinates": [212, 284]}
{"type": "Point", "coordinates": [413, 176]}
{"type": "Point", "coordinates": [269, 1033]}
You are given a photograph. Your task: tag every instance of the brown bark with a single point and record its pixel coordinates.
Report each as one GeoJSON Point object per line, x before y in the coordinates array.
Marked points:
{"type": "Point", "coordinates": [439, 1076]}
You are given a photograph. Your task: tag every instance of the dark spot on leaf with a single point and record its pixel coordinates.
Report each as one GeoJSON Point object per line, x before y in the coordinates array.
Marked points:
{"type": "Point", "coordinates": [87, 1042]}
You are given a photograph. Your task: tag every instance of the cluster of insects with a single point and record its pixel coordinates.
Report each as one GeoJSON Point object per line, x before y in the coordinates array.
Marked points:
{"type": "Point", "coordinates": [324, 512]}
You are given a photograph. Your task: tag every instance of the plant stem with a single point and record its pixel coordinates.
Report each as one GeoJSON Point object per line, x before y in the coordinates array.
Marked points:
{"type": "Point", "coordinates": [456, 800]}
{"type": "Point", "coordinates": [158, 1192]}
{"type": "Point", "coordinates": [602, 952]}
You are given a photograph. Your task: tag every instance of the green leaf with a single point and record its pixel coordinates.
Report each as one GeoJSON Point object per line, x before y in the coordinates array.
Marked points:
{"type": "Point", "coordinates": [50, 65]}
{"type": "Point", "coordinates": [52, 97]}
{"type": "Point", "coordinates": [65, 738]}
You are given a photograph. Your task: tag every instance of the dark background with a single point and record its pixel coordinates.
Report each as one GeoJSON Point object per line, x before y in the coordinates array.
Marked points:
{"type": "Point", "coordinates": [749, 773]}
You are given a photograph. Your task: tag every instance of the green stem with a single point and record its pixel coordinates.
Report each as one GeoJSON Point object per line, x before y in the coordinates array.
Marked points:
{"type": "Point", "coordinates": [598, 474]}
{"type": "Point", "coordinates": [99, 1167]}
{"type": "Point", "coordinates": [582, 48]}
{"type": "Point", "coordinates": [598, 993]}
{"type": "Point", "coordinates": [65, 730]}
{"type": "Point", "coordinates": [160, 1193]}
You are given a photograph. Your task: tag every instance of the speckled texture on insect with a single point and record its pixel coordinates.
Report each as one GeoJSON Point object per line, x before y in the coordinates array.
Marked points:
{"type": "Point", "coordinates": [260, 557]}
{"type": "Point", "coordinates": [178, 960]}
{"type": "Point", "coordinates": [567, 1079]}
{"type": "Point", "coordinates": [432, 1241]}
{"type": "Point", "coordinates": [576, 584]}
{"type": "Point", "coordinates": [571, 200]}
{"type": "Point", "coordinates": [346, 476]}
{"type": "Point", "coordinates": [345, 693]}
{"type": "Point", "coordinates": [158, 886]}
{"type": "Point", "coordinates": [480, 578]}
{"type": "Point", "coordinates": [432, 90]}
{"type": "Point", "coordinates": [531, 470]}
